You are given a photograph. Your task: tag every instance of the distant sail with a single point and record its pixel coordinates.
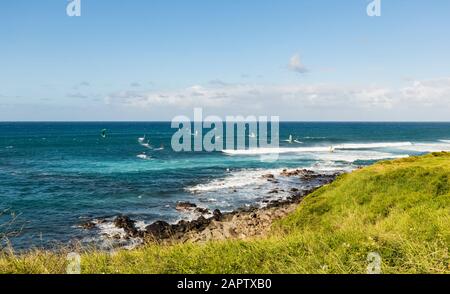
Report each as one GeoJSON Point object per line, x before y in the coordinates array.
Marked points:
{"type": "Point", "coordinates": [160, 148]}
{"type": "Point", "coordinates": [103, 133]}
{"type": "Point", "coordinates": [290, 140]}
{"type": "Point", "coordinates": [141, 140]}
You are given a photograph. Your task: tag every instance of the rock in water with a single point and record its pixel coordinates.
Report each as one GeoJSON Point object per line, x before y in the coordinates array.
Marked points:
{"type": "Point", "coordinates": [201, 210]}
{"type": "Point", "coordinates": [185, 206]}
{"type": "Point", "coordinates": [88, 225]}
{"type": "Point", "coordinates": [125, 223]}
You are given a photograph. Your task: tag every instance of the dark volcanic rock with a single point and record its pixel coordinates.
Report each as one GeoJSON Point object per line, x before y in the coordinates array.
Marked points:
{"type": "Point", "coordinates": [309, 175]}
{"type": "Point", "coordinates": [159, 230]}
{"type": "Point", "coordinates": [303, 173]}
{"type": "Point", "coordinates": [88, 225]}
{"type": "Point", "coordinates": [185, 230]}
{"type": "Point", "coordinates": [276, 203]}
{"type": "Point", "coordinates": [286, 173]}
{"type": "Point", "coordinates": [182, 226]}
{"type": "Point", "coordinates": [296, 197]}
{"type": "Point", "coordinates": [125, 223]}
{"type": "Point", "coordinates": [185, 206]}
{"type": "Point", "coordinates": [199, 224]}
{"type": "Point", "coordinates": [201, 210]}
{"type": "Point", "coordinates": [217, 215]}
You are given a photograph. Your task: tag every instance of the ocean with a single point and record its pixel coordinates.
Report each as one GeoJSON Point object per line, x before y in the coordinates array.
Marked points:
{"type": "Point", "coordinates": [54, 176]}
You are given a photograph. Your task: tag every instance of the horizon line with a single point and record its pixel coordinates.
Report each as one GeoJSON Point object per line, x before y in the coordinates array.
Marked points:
{"type": "Point", "coordinates": [169, 121]}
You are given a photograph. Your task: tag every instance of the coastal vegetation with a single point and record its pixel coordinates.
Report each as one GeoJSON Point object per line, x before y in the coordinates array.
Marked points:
{"type": "Point", "coordinates": [396, 210]}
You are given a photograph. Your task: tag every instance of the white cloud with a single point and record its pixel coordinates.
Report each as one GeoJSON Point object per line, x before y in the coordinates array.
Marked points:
{"type": "Point", "coordinates": [428, 92]}
{"type": "Point", "coordinates": [295, 64]}
{"type": "Point", "coordinates": [289, 98]}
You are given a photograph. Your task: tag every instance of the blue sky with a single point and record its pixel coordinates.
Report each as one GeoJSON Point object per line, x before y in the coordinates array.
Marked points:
{"type": "Point", "coordinates": [152, 60]}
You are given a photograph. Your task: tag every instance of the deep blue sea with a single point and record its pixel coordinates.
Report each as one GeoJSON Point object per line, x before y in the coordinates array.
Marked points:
{"type": "Point", "coordinates": [53, 176]}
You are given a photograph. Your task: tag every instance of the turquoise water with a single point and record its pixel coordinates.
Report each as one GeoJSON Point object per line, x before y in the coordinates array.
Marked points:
{"type": "Point", "coordinates": [53, 176]}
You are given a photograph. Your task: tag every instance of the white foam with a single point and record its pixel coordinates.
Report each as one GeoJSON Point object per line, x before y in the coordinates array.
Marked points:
{"type": "Point", "coordinates": [427, 147]}
{"type": "Point", "coordinates": [331, 167]}
{"type": "Point", "coordinates": [361, 146]}
{"type": "Point", "coordinates": [250, 180]}
{"type": "Point", "coordinates": [445, 141]}
{"type": "Point", "coordinates": [109, 230]}
{"type": "Point", "coordinates": [352, 156]}
{"type": "Point", "coordinates": [260, 151]}
{"type": "Point", "coordinates": [372, 145]}
{"type": "Point", "coordinates": [141, 225]}
{"type": "Point", "coordinates": [111, 237]}
{"type": "Point", "coordinates": [235, 180]}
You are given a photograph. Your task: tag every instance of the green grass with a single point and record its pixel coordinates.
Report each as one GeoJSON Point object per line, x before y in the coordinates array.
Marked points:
{"type": "Point", "coordinates": [399, 209]}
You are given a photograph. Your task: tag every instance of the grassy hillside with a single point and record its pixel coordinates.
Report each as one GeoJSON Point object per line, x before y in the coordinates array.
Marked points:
{"type": "Point", "coordinates": [399, 209]}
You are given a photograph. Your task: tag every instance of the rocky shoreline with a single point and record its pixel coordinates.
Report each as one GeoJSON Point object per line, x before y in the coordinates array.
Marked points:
{"type": "Point", "coordinates": [241, 224]}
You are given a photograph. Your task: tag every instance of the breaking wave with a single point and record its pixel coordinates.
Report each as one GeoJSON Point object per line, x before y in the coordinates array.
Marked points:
{"type": "Point", "coordinates": [330, 148]}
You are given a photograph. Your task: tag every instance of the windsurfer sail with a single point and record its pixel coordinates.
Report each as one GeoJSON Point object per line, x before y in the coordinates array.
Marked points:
{"type": "Point", "coordinates": [290, 140]}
